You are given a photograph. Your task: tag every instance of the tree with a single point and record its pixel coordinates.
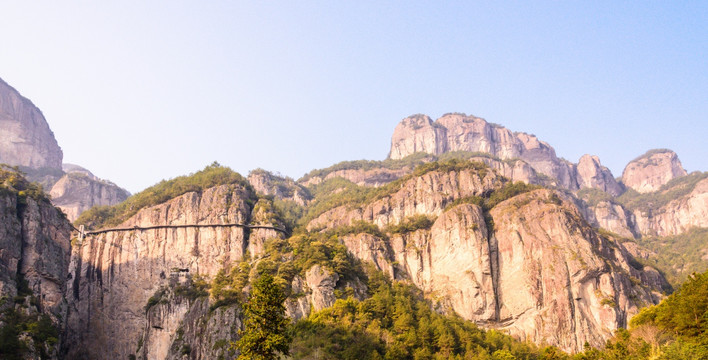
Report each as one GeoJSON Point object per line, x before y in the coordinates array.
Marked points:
{"type": "Point", "coordinates": [265, 332]}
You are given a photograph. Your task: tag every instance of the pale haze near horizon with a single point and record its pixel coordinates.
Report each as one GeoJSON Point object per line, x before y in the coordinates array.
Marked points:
{"type": "Point", "coordinates": [142, 91]}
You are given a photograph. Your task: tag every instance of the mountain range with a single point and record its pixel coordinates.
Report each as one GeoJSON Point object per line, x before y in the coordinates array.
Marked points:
{"type": "Point", "coordinates": [482, 227]}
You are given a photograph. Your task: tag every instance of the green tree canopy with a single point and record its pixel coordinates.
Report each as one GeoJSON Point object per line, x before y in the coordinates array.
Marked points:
{"type": "Point", "coordinates": [265, 332]}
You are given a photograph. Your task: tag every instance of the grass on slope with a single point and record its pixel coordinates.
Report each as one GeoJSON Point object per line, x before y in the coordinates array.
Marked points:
{"type": "Point", "coordinates": [210, 176]}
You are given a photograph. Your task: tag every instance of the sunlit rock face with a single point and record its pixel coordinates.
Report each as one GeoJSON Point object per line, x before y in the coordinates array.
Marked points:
{"type": "Point", "coordinates": [678, 216]}
{"type": "Point", "coordinates": [459, 132]}
{"type": "Point", "coordinates": [591, 174]}
{"type": "Point", "coordinates": [78, 191]}
{"type": "Point", "coordinates": [652, 170]}
{"type": "Point", "coordinates": [532, 265]}
{"type": "Point", "coordinates": [25, 137]}
{"type": "Point", "coordinates": [114, 274]}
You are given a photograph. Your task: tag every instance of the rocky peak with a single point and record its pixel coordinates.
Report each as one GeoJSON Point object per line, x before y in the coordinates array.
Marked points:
{"type": "Point", "coordinates": [25, 137]}
{"type": "Point", "coordinates": [417, 133]}
{"type": "Point", "coordinates": [650, 171]}
{"type": "Point", "coordinates": [460, 132]}
{"type": "Point", "coordinates": [283, 188]}
{"type": "Point", "coordinates": [592, 174]}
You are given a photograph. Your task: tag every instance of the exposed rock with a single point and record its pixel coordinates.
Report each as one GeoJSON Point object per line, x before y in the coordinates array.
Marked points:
{"type": "Point", "coordinates": [678, 215]}
{"type": "Point", "coordinates": [417, 133]}
{"type": "Point", "coordinates": [427, 194]}
{"type": "Point", "coordinates": [558, 281]}
{"type": "Point", "coordinates": [652, 170]}
{"type": "Point", "coordinates": [367, 247]}
{"type": "Point", "coordinates": [459, 132]}
{"type": "Point", "coordinates": [613, 217]}
{"type": "Point", "coordinates": [541, 273]}
{"type": "Point", "coordinates": [179, 327]}
{"type": "Point", "coordinates": [78, 191]}
{"type": "Point", "coordinates": [25, 137]}
{"type": "Point", "coordinates": [371, 177]}
{"type": "Point", "coordinates": [592, 174]}
{"type": "Point", "coordinates": [34, 258]}
{"type": "Point", "coordinates": [322, 283]}
{"type": "Point", "coordinates": [114, 274]}
{"type": "Point", "coordinates": [282, 188]}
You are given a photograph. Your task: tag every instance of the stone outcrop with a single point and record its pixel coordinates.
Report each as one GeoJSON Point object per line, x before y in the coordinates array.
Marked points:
{"type": "Point", "coordinates": [114, 274]}
{"type": "Point", "coordinates": [541, 273]}
{"type": "Point", "coordinates": [370, 177]}
{"type": "Point", "coordinates": [34, 259]}
{"type": "Point", "coordinates": [426, 194]}
{"type": "Point", "coordinates": [459, 132]}
{"type": "Point", "coordinates": [25, 137]}
{"type": "Point", "coordinates": [79, 190]}
{"type": "Point", "coordinates": [678, 215]}
{"type": "Point", "coordinates": [280, 187]}
{"type": "Point", "coordinates": [591, 174]}
{"type": "Point", "coordinates": [418, 133]}
{"type": "Point", "coordinates": [179, 327]}
{"type": "Point", "coordinates": [652, 170]}
{"type": "Point", "coordinates": [613, 217]}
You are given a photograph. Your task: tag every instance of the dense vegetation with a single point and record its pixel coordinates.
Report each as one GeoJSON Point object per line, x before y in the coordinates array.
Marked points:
{"type": "Point", "coordinates": [14, 182]}
{"type": "Point", "coordinates": [23, 331]}
{"type": "Point", "coordinates": [679, 255]}
{"type": "Point", "coordinates": [165, 190]}
{"type": "Point", "coordinates": [409, 162]}
{"type": "Point", "coordinates": [395, 322]}
{"type": "Point", "coordinates": [265, 335]}
{"type": "Point", "coordinates": [338, 191]}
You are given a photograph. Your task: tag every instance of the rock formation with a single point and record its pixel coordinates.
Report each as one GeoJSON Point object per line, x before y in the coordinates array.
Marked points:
{"type": "Point", "coordinates": [27, 141]}
{"type": "Point", "coordinates": [539, 246]}
{"type": "Point", "coordinates": [34, 257]}
{"type": "Point", "coordinates": [459, 132]}
{"type": "Point", "coordinates": [678, 216]}
{"type": "Point", "coordinates": [280, 187]}
{"type": "Point", "coordinates": [79, 190]}
{"type": "Point", "coordinates": [25, 137]}
{"type": "Point", "coordinates": [650, 171]}
{"type": "Point", "coordinates": [591, 174]}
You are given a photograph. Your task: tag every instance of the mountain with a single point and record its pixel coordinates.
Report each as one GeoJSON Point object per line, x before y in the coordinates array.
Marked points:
{"type": "Point", "coordinates": [25, 137]}
{"type": "Point", "coordinates": [27, 141]}
{"type": "Point", "coordinates": [34, 262]}
{"type": "Point", "coordinates": [486, 246]}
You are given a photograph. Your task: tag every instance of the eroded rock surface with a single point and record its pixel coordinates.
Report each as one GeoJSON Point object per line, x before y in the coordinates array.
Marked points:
{"type": "Point", "coordinates": [25, 137]}
{"type": "Point", "coordinates": [652, 170]}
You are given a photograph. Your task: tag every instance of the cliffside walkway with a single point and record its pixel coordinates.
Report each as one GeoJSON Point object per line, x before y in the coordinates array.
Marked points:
{"type": "Point", "coordinates": [83, 233]}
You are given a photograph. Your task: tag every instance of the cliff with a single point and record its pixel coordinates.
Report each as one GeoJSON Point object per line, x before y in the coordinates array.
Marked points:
{"type": "Point", "coordinates": [77, 191]}
{"type": "Point", "coordinates": [34, 258]}
{"type": "Point", "coordinates": [577, 286]}
{"type": "Point", "coordinates": [25, 137]}
{"type": "Point", "coordinates": [650, 171]}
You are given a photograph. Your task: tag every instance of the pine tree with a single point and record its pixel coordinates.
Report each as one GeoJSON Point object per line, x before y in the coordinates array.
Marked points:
{"type": "Point", "coordinates": [265, 332]}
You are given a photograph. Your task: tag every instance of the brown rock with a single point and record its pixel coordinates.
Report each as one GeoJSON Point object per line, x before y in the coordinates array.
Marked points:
{"type": "Point", "coordinates": [592, 174]}
{"type": "Point", "coordinates": [25, 137]}
{"type": "Point", "coordinates": [652, 170]}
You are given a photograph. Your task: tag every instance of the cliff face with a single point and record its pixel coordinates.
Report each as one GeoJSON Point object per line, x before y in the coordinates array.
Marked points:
{"type": "Point", "coordinates": [76, 192]}
{"type": "Point", "coordinates": [25, 137]}
{"type": "Point", "coordinates": [458, 132]}
{"type": "Point", "coordinates": [34, 258]}
{"type": "Point", "coordinates": [678, 216]}
{"type": "Point", "coordinates": [653, 169]}
{"type": "Point", "coordinates": [280, 187]}
{"type": "Point", "coordinates": [591, 174]}
{"type": "Point", "coordinates": [540, 272]}
{"type": "Point", "coordinates": [114, 274]}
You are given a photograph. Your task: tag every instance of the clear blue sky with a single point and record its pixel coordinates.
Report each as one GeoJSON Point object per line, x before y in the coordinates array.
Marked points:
{"type": "Point", "coordinates": [139, 91]}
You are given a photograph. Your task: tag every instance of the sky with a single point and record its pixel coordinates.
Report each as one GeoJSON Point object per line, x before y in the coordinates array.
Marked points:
{"type": "Point", "coordinates": [140, 91]}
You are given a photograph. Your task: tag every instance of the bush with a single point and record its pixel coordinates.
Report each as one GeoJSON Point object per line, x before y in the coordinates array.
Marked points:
{"type": "Point", "coordinates": [210, 176]}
